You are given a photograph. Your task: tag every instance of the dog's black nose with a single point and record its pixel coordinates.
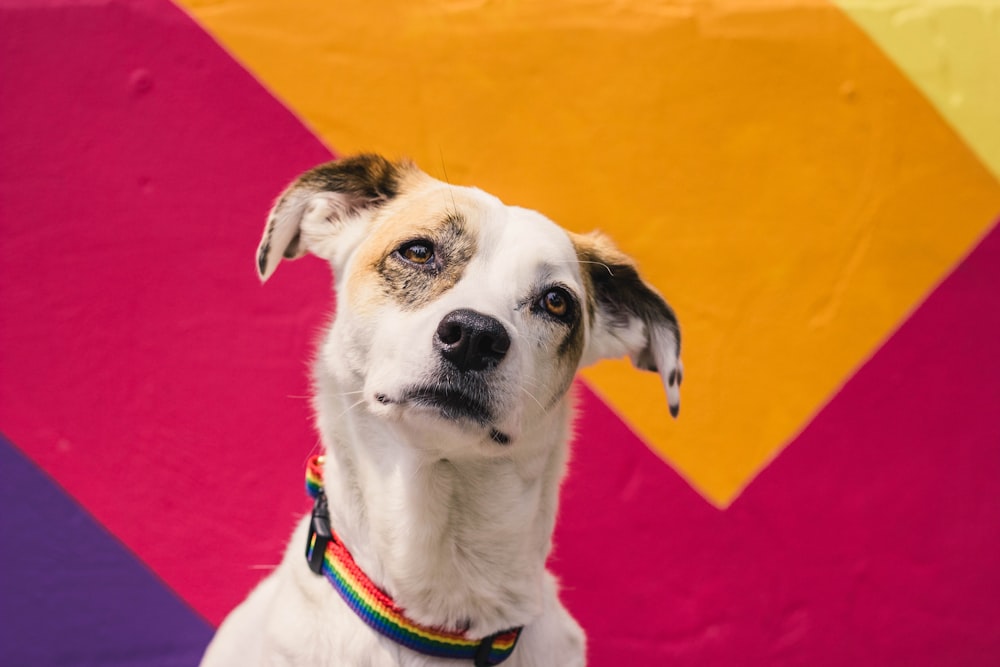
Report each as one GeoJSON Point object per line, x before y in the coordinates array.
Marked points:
{"type": "Point", "coordinates": [471, 341]}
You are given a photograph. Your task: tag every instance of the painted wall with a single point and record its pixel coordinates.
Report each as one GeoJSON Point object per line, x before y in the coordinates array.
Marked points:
{"type": "Point", "coordinates": [815, 186]}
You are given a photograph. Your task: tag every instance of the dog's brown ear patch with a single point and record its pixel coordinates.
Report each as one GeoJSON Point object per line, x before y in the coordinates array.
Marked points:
{"type": "Point", "coordinates": [627, 316]}
{"type": "Point", "coordinates": [335, 190]}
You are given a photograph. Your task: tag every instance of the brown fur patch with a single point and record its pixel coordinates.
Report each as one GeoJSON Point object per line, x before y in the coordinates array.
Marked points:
{"type": "Point", "coordinates": [364, 181]}
{"type": "Point", "coordinates": [572, 344]}
{"type": "Point", "coordinates": [433, 212]}
{"type": "Point", "coordinates": [593, 252]}
{"type": "Point", "coordinates": [615, 287]}
{"type": "Point", "coordinates": [414, 286]}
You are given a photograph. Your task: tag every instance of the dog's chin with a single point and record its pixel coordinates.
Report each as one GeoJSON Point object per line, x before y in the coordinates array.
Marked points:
{"type": "Point", "coordinates": [469, 411]}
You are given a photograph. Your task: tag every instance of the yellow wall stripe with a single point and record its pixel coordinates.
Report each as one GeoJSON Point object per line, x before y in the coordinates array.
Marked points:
{"type": "Point", "coordinates": [950, 49]}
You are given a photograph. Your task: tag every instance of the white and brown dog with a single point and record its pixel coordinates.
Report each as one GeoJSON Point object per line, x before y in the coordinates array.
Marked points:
{"type": "Point", "coordinates": [443, 404]}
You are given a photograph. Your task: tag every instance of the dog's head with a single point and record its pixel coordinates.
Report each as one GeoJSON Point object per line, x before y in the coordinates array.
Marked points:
{"type": "Point", "coordinates": [457, 314]}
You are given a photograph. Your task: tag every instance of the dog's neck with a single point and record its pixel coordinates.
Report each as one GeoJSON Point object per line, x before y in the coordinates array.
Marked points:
{"type": "Point", "coordinates": [459, 544]}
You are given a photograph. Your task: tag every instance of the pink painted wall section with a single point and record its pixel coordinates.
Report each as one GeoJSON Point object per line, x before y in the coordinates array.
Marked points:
{"type": "Point", "coordinates": [145, 371]}
{"type": "Point", "coordinates": [870, 541]}
{"type": "Point", "coordinates": [143, 365]}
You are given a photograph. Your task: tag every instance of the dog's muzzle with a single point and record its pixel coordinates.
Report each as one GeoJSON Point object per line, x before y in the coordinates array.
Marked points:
{"type": "Point", "coordinates": [460, 387]}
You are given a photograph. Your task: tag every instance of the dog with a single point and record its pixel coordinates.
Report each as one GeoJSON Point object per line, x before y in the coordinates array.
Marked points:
{"type": "Point", "coordinates": [443, 401]}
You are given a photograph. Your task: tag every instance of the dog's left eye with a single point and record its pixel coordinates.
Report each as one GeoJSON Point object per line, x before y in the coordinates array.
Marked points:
{"type": "Point", "coordinates": [556, 302]}
{"type": "Point", "coordinates": [417, 252]}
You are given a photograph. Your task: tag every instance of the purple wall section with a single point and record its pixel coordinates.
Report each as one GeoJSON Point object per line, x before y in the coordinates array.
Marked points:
{"type": "Point", "coordinates": [71, 594]}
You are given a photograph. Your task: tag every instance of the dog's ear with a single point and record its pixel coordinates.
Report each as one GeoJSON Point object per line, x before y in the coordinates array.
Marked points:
{"type": "Point", "coordinates": [627, 316]}
{"type": "Point", "coordinates": [318, 209]}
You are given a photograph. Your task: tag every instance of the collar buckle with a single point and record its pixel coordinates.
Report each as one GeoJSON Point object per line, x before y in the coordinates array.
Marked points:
{"type": "Point", "coordinates": [320, 534]}
{"type": "Point", "coordinates": [488, 655]}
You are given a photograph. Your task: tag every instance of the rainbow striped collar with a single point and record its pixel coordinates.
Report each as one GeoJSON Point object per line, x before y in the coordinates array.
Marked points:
{"type": "Point", "coordinates": [328, 556]}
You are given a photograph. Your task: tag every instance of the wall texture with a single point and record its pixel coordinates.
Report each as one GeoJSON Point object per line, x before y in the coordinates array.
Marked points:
{"type": "Point", "coordinates": [815, 186]}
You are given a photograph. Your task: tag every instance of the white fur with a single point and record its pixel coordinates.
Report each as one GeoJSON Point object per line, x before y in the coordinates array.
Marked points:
{"type": "Point", "coordinates": [454, 526]}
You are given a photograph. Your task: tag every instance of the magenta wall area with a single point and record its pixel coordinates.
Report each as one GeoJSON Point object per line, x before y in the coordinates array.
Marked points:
{"type": "Point", "coordinates": [155, 426]}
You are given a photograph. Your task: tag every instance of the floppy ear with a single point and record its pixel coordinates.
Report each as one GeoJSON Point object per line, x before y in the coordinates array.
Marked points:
{"type": "Point", "coordinates": [628, 317]}
{"type": "Point", "coordinates": [316, 211]}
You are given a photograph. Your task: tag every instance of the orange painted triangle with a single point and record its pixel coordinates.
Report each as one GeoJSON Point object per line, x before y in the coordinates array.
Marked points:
{"type": "Point", "coordinates": [775, 175]}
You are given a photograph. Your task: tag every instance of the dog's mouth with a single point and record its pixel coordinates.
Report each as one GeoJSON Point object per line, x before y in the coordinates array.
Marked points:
{"type": "Point", "coordinates": [452, 402]}
{"type": "Point", "coordinates": [455, 403]}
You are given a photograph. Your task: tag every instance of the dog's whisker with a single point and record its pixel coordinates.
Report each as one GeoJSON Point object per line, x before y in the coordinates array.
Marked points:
{"type": "Point", "coordinates": [532, 339]}
{"type": "Point", "coordinates": [584, 261]}
{"type": "Point", "coordinates": [349, 408]}
{"type": "Point", "coordinates": [317, 448]}
{"type": "Point", "coordinates": [532, 397]}
{"type": "Point", "coordinates": [533, 383]}
{"type": "Point", "coordinates": [533, 380]}
{"type": "Point", "coordinates": [454, 204]}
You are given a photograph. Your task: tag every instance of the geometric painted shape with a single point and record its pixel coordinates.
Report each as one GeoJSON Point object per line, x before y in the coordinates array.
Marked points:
{"type": "Point", "coordinates": [774, 174]}
{"type": "Point", "coordinates": [142, 365]}
{"type": "Point", "coordinates": [870, 541]}
{"type": "Point", "coordinates": [951, 52]}
{"type": "Point", "coordinates": [70, 594]}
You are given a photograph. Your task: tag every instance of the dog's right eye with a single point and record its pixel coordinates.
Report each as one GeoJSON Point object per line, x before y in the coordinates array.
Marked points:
{"type": "Point", "coordinates": [420, 253]}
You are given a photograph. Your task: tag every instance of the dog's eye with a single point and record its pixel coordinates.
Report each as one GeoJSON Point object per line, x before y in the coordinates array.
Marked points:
{"type": "Point", "coordinates": [417, 252]}
{"type": "Point", "coordinates": [557, 302]}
